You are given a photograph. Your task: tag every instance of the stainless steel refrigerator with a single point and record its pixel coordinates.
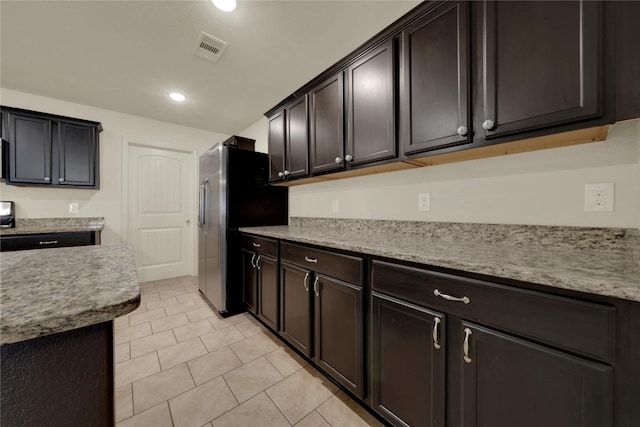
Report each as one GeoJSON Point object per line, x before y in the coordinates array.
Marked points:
{"type": "Point", "coordinates": [234, 192]}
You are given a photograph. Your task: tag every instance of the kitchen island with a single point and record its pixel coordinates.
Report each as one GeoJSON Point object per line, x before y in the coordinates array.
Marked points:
{"type": "Point", "coordinates": [57, 308]}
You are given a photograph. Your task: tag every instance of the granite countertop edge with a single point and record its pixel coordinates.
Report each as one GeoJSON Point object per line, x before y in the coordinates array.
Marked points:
{"type": "Point", "coordinates": [48, 291]}
{"type": "Point", "coordinates": [56, 324]}
{"type": "Point", "coordinates": [27, 226]}
{"type": "Point", "coordinates": [570, 278]}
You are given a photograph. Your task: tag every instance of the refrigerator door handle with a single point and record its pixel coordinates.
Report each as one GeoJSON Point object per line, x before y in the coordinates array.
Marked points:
{"type": "Point", "coordinates": [203, 200]}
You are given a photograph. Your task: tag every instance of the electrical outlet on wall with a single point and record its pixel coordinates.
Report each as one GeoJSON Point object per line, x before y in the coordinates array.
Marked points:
{"type": "Point", "coordinates": [599, 197]}
{"type": "Point", "coordinates": [335, 205]}
{"type": "Point", "coordinates": [424, 202]}
{"type": "Point", "coordinates": [73, 208]}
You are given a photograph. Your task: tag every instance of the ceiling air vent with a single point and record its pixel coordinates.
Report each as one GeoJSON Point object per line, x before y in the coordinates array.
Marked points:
{"type": "Point", "coordinates": [209, 47]}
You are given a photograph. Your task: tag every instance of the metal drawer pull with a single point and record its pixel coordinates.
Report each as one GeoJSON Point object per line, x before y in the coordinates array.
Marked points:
{"type": "Point", "coordinates": [436, 322]}
{"type": "Point", "coordinates": [253, 259]}
{"type": "Point", "coordinates": [306, 282]}
{"type": "Point", "coordinates": [258, 262]}
{"type": "Point", "coordinates": [256, 245]}
{"type": "Point", "coordinates": [50, 242]}
{"type": "Point", "coordinates": [450, 298]}
{"type": "Point", "coordinates": [316, 288]}
{"type": "Point", "coordinates": [465, 346]}
{"type": "Point", "coordinates": [313, 260]}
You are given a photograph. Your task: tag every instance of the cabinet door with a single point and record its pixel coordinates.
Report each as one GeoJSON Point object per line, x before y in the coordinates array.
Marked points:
{"type": "Point", "coordinates": [249, 280]}
{"type": "Point", "coordinates": [507, 381]}
{"type": "Point", "coordinates": [29, 149]}
{"type": "Point", "coordinates": [542, 64]}
{"type": "Point", "coordinates": [371, 107]}
{"type": "Point", "coordinates": [297, 139]}
{"type": "Point", "coordinates": [327, 125]}
{"type": "Point", "coordinates": [408, 362]}
{"type": "Point", "coordinates": [338, 331]}
{"type": "Point", "coordinates": [277, 146]}
{"type": "Point", "coordinates": [268, 290]}
{"type": "Point", "coordinates": [435, 84]}
{"type": "Point", "coordinates": [295, 307]}
{"type": "Point", "coordinates": [77, 150]}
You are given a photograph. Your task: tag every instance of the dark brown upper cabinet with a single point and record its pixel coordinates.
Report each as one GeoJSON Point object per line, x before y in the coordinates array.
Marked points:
{"type": "Point", "coordinates": [289, 142]}
{"type": "Point", "coordinates": [542, 65]}
{"type": "Point", "coordinates": [47, 150]}
{"type": "Point", "coordinates": [371, 107]}
{"type": "Point", "coordinates": [434, 91]}
{"type": "Point", "coordinates": [297, 139]}
{"type": "Point", "coordinates": [277, 146]}
{"type": "Point", "coordinates": [326, 125]}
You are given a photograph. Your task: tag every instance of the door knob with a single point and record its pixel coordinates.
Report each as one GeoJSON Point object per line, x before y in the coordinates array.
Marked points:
{"type": "Point", "coordinates": [188, 220]}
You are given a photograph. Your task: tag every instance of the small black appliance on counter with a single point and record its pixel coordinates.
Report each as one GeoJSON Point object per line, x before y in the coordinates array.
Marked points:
{"type": "Point", "coordinates": [7, 215]}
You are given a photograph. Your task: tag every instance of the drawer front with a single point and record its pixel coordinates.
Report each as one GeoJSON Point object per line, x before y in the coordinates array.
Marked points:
{"type": "Point", "coordinates": [343, 267]}
{"type": "Point", "coordinates": [260, 244]}
{"type": "Point", "coordinates": [49, 240]}
{"type": "Point", "coordinates": [582, 327]}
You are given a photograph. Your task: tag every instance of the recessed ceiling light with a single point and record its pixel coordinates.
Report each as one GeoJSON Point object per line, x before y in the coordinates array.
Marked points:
{"type": "Point", "coordinates": [226, 5]}
{"type": "Point", "coordinates": [177, 96]}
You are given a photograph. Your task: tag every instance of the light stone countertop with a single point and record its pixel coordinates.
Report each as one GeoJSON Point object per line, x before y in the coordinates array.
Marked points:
{"type": "Point", "coordinates": [596, 261]}
{"type": "Point", "coordinates": [46, 291]}
{"type": "Point", "coordinates": [53, 225]}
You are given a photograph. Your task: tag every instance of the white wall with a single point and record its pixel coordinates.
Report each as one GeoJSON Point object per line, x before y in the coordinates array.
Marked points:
{"type": "Point", "coordinates": [542, 187]}
{"type": "Point", "coordinates": [32, 202]}
{"type": "Point", "coordinates": [260, 132]}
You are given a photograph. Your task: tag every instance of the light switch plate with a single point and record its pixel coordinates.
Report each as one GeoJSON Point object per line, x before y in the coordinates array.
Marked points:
{"type": "Point", "coordinates": [73, 208]}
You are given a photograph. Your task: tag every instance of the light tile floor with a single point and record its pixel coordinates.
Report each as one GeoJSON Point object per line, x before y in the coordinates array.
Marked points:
{"type": "Point", "coordinates": [180, 364]}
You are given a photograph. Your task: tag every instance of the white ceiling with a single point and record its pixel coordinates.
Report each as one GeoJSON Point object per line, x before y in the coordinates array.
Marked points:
{"type": "Point", "coordinates": [127, 55]}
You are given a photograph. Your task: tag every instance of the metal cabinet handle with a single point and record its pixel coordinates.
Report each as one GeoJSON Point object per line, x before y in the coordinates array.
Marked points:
{"type": "Point", "coordinates": [306, 281]}
{"type": "Point", "coordinates": [50, 242]}
{"type": "Point", "coordinates": [47, 179]}
{"type": "Point", "coordinates": [280, 174]}
{"type": "Point", "coordinates": [258, 262]}
{"type": "Point", "coordinates": [60, 179]}
{"type": "Point", "coordinates": [256, 245]}
{"type": "Point", "coordinates": [465, 345]}
{"type": "Point", "coordinates": [436, 322]}
{"type": "Point", "coordinates": [313, 260]}
{"type": "Point", "coordinates": [252, 259]}
{"type": "Point", "coordinates": [316, 287]}
{"type": "Point", "coordinates": [286, 172]}
{"type": "Point", "coordinates": [348, 157]}
{"type": "Point", "coordinates": [488, 124]}
{"type": "Point", "coordinates": [462, 131]}
{"type": "Point", "coordinates": [450, 298]}
{"type": "Point", "coordinates": [338, 160]}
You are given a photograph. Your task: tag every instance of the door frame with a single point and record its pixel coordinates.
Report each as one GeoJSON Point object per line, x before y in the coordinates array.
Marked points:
{"type": "Point", "coordinates": [193, 179]}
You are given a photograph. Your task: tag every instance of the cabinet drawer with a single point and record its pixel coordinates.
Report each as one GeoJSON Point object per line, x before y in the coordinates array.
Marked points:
{"type": "Point", "coordinates": [47, 240]}
{"type": "Point", "coordinates": [582, 327]}
{"type": "Point", "coordinates": [343, 267]}
{"type": "Point", "coordinates": [260, 244]}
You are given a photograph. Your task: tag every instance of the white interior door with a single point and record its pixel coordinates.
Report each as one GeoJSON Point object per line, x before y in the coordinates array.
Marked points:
{"type": "Point", "coordinates": [160, 208]}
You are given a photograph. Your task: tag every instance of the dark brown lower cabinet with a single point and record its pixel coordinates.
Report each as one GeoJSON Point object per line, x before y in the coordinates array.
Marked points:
{"type": "Point", "coordinates": [408, 359]}
{"type": "Point", "coordinates": [507, 381]}
{"type": "Point", "coordinates": [322, 316]}
{"type": "Point", "coordinates": [295, 307]}
{"type": "Point", "coordinates": [250, 280]}
{"type": "Point", "coordinates": [338, 331]}
{"type": "Point", "coordinates": [268, 290]}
